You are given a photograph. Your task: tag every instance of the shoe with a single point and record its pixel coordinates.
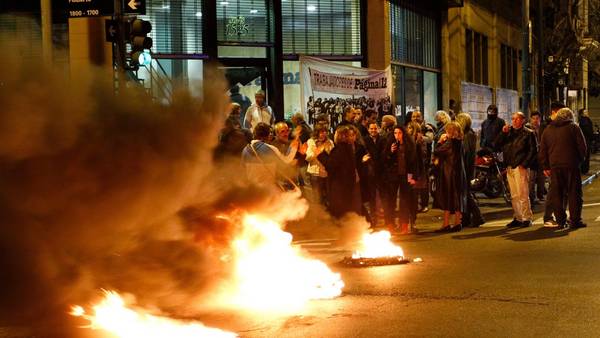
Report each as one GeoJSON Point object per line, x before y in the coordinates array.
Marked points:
{"type": "Point", "coordinates": [456, 228]}
{"type": "Point", "coordinates": [478, 223]}
{"type": "Point", "coordinates": [541, 199]}
{"type": "Point", "coordinates": [424, 210]}
{"type": "Point", "coordinates": [514, 224]}
{"type": "Point", "coordinates": [526, 224]}
{"type": "Point", "coordinates": [550, 223]}
{"type": "Point", "coordinates": [578, 225]}
{"type": "Point", "coordinates": [444, 229]}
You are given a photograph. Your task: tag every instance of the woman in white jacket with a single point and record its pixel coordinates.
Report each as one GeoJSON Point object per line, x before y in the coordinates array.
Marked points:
{"type": "Point", "coordinates": [318, 143]}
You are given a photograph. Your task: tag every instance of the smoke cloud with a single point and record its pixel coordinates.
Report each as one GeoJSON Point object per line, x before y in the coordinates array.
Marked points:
{"type": "Point", "coordinates": [99, 190]}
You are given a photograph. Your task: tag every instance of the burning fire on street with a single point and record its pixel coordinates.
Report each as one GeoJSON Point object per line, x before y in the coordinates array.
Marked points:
{"type": "Point", "coordinates": [269, 275]}
{"type": "Point", "coordinates": [273, 275]}
{"type": "Point", "coordinates": [116, 317]}
{"type": "Point", "coordinates": [376, 249]}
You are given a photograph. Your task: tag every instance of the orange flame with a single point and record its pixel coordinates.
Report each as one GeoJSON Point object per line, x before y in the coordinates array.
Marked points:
{"type": "Point", "coordinates": [272, 275]}
{"type": "Point", "coordinates": [112, 315]}
{"type": "Point", "coordinates": [377, 244]}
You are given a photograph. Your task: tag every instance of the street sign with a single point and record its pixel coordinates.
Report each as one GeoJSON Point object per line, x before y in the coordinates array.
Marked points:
{"type": "Point", "coordinates": [87, 8]}
{"type": "Point", "coordinates": [111, 28]}
{"type": "Point", "coordinates": [137, 7]}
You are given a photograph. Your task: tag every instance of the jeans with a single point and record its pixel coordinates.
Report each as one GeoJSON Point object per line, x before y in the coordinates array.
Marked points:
{"type": "Point", "coordinates": [518, 182]}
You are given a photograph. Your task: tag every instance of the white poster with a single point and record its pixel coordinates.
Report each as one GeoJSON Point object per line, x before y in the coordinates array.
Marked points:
{"type": "Point", "coordinates": [507, 101]}
{"type": "Point", "coordinates": [475, 100]}
{"type": "Point", "coordinates": [328, 87]}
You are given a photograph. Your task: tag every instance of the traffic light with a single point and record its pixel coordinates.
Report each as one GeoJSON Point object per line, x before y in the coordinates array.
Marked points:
{"type": "Point", "coordinates": [139, 41]}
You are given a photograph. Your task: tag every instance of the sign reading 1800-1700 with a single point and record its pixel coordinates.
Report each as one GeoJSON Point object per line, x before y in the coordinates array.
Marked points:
{"type": "Point", "coordinates": [86, 8]}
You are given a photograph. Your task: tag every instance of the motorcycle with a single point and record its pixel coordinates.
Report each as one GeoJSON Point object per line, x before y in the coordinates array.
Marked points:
{"type": "Point", "coordinates": [490, 176]}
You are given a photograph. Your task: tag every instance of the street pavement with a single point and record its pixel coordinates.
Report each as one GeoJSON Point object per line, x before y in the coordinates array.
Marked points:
{"type": "Point", "coordinates": [481, 282]}
{"type": "Point", "coordinates": [490, 281]}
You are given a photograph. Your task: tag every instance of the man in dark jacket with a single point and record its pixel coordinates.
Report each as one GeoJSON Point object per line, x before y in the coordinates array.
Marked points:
{"type": "Point", "coordinates": [548, 218]}
{"type": "Point", "coordinates": [491, 128]}
{"type": "Point", "coordinates": [562, 151]}
{"type": "Point", "coordinates": [519, 148]}
{"type": "Point", "coordinates": [240, 99]}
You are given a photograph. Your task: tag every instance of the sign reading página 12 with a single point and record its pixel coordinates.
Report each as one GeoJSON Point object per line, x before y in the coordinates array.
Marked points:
{"type": "Point", "coordinates": [87, 8]}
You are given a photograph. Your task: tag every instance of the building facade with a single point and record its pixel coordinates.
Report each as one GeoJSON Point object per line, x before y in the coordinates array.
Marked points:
{"type": "Point", "coordinates": [466, 51]}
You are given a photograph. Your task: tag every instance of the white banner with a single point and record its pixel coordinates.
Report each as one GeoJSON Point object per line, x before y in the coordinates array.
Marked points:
{"type": "Point", "coordinates": [327, 87]}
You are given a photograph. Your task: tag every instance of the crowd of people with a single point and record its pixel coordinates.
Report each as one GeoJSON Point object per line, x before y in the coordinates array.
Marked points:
{"type": "Point", "coordinates": [367, 162]}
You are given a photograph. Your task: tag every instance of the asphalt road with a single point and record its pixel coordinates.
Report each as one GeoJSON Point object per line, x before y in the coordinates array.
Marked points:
{"type": "Point", "coordinates": [490, 281]}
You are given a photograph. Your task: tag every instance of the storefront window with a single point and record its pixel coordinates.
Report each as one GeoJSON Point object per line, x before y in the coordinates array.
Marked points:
{"type": "Point", "coordinates": [413, 82]}
{"type": "Point", "coordinates": [415, 53]}
{"type": "Point", "coordinates": [315, 27]}
{"type": "Point", "coordinates": [430, 95]}
{"type": "Point", "coordinates": [398, 78]}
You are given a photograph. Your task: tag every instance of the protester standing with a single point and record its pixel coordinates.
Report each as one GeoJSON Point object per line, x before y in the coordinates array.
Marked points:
{"type": "Point", "coordinates": [427, 134]}
{"type": "Point", "coordinates": [549, 220]}
{"type": "Point", "coordinates": [562, 151]}
{"type": "Point", "coordinates": [319, 142]}
{"type": "Point", "coordinates": [537, 180]}
{"type": "Point", "coordinates": [519, 148]}
{"type": "Point", "coordinates": [491, 128]}
{"type": "Point", "coordinates": [342, 174]}
{"type": "Point", "coordinates": [399, 159]}
{"type": "Point", "coordinates": [472, 216]}
{"type": "Point", "coordinates": [451, 182]}
{"type": "Point", "coordinates": [259, 112]}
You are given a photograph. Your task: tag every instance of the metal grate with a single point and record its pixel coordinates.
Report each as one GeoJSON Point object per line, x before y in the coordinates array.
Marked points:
{"type": "Point", "coordinates": [321, 27]}
{"type": "Point", "coordinates": [243, 21]}
{"type": "Point", "coordinates": [176, 26]}
{"type": "Point", "coordinates": [415, 35]}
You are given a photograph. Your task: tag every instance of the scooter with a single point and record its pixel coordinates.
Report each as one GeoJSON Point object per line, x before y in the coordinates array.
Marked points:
{"type": "Point", "coordinates": [490, 176]}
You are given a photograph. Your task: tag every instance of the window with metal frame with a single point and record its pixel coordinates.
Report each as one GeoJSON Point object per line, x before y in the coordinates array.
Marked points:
{"type": "Point", "coordinates": [509, 61]}
{"type": "Point", "coordinates": [476, 57]}
{"type": "Point", "coordinates": [321, 27]}
{"type": "Point", "coordinates": [243, 21]}
{"type": "Point", "coordinates": [176, 26]}
{"type": "Point", "coordinates": [415, 35]}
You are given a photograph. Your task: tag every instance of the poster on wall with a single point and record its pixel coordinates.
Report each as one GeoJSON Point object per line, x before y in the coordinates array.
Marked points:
{"type": "Point", "coordinates": [475, 100]}
{"type": "Point", "coordinates": [328, 87]}
{"type": "Point", "coordinates": [507, 101]}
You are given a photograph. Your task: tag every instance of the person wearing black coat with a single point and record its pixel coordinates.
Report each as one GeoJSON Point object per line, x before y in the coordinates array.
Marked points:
{"type": "Point", "coordinates": [562, 151]}
{"type": "Point", "coordinates": [421, 172]}
{"type": "Point", "coordinates": [519, 148]}
{"type": "Point", "coordinates": [472, 216]}
{"type": "Point", "coordinates": [451, 182]}
{"type": "Point", "coordinates": [343, 180]}
{"type": "Point", "coordinates": [491, 128]}
{"type": "Point", "coordinates": [399, 160]}
{"type": "Point", "coordinates": [374, 144]}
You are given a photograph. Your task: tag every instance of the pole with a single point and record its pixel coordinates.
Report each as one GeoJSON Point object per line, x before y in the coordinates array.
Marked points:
{"type": "Point", "coordinates": [525, 51]}
{"type": "Point", "coordinates": [46, 14]}
{"type": "Point", "coordinates": [542, 58]}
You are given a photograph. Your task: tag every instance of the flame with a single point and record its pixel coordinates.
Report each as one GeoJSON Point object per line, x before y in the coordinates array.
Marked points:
{"type": "Point", "coordinates": [272, 275]}
{"type": "Point", "coordinates": [378, 244]}
{"type": "Point", "coordinates": [111, 314]}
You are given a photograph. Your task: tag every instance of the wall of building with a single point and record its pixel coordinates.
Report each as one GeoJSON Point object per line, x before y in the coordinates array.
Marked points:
{"type": "Point", "coordinates": [476, 16]}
